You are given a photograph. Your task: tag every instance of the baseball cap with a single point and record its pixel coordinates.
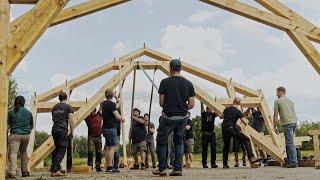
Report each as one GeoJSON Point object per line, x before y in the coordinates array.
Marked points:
{"type": "Point", "coordinates": [175, 64]}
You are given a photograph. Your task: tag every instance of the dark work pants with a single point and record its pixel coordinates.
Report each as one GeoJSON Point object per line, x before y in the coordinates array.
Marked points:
{"type": "Point", "coordinates": [94, 144]}
{"type": "Point", "coordinates": [69, 154]}
{"type": "Point", "coordinates": [227, 134]}
{"type": "Point", "coordinates": [60, 139]}
{"type": "Point", "coordinates": [206, 140]}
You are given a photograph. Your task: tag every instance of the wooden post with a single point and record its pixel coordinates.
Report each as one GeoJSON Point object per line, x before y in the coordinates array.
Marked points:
{"type": "Point", "coordinates": [132, 102]}
{"type": "Point", "coordinates": [4, 29]}
{"type": "Point", "coordinates": [122, 124]}
{"type": "Point", "coordinates": [33, 110]}
{"type": "Point", "coordinates": [63, 163]}
{"type": "Point", "coordinates": [315, 136]}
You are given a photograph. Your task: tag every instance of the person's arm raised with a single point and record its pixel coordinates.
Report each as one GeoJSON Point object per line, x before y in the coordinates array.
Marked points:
{"type": "Point", "coordinates": [139, 120]}
{"type": "Point", "coordinates": [118, 116]}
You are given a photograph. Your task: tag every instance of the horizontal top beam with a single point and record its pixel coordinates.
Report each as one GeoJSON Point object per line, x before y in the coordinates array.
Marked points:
{"type": "Point", "coordinates": [23, 1]}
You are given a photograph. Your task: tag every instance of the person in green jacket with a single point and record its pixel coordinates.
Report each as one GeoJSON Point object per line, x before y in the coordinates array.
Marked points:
{"type": "Point", "coordinates": [20, 124]}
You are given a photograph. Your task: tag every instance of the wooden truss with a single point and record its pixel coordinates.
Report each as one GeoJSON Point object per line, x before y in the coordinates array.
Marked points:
{"type": "Point", "coordinates": [252, 98]}
{"type": "Point", "coordinates": [19, 36]}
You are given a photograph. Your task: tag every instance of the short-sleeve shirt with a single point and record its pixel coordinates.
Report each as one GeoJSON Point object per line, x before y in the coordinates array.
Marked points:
{"type": "Point", "coordinates": [150, 134]}
{"type": "Point", "coordinates": [258, 121]}
{"type": "Point", "coordinates": [286, 110]}
{"type": "Point", "coordinates": [94, 123]}
{"type": "Point", "coordinates": [139, 132]}
{"type": "Point", "coordinates": [176, 91]}
{"type": "Point", "coordinates": [231, 116]}
{"type": "Point", "coordinates": [109, 119]}
{"type": "Point", "coordinates": [60, 116]}
{"type": "Point", "coordinates": [189, 133]}
{"type": "Point", "coordinates": [20, 122]}
{"type": "Point", "coordinates": [207, 122]}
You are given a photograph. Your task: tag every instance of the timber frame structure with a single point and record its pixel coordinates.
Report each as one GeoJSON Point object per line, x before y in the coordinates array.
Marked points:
{"type": "Point", "coordinates": [19, 36]}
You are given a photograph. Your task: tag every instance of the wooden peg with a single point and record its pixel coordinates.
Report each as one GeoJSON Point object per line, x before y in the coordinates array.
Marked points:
{"type": "Point", "coordinates": [230, 80]}
{"type": "Point", "coordinates": [144, 45]}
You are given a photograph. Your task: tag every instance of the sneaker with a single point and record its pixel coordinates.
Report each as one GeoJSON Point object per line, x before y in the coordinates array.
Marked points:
{"type": "Point", "coordinates": [159, 173]}
{"type": "Point", "coordinates": [254, 159]}
{"type": "Point", "coordinates": [109, 170]}
{"type": "Point", "coordinates": [214, 166]}
{"type": "Point", "coordinates": [244, 163]}
{"type": "Point", "coordinates": [176, 173]}
{"type": "Point", "coordinates": [135, 167]}
{"type": "Point", "coordinates": [236, 165]}
{"type": "Point", "coordinates": [205, 166]}
{"type": "Point", "coordinates": [57, 174]}
{"type": "Point", "coordinates": [154, 167]}
{"type": "Point", "coordinates": [142, 167]}
{"type": "Point", "coordinates": [116, 171]}
{"type": "Point", "coordinates": [225, 166]}
{"type": "Point", "coordinates": [98, 169]}
{"type": "Point", "coordinates": [25, 174]}
{"type": "Point", "coordinates": [291, 166]}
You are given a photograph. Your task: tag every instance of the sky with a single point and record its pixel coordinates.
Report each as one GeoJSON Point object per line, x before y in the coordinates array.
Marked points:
{"type": "Point", "coordinates": [250, 53]}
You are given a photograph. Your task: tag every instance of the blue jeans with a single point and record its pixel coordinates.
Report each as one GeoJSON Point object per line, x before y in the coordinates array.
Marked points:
{"type": "Point", "coordinates": [289, 131]}
{"type": "Point", "coordinates": [166, 126]}
{"type": "Point", "coordinates": [117, 156]}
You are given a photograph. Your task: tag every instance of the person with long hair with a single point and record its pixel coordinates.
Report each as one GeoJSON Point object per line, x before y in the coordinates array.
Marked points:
{"type": "Point", "coordinates": [20, 123]}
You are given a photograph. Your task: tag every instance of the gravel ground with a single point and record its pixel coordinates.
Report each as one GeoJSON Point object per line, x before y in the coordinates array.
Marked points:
{"type": "Point", "coordinates": [267, 173]}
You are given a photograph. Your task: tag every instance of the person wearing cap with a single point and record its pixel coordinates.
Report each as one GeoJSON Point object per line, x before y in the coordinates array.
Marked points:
{"type": "Point", "coordinates": [176, 97]}
{"type": "Point", "coordinates": [110, 116]}
{"type": "Point", "coordinates": [230, 129]}
{"type": "Point", "coordinates": [61, 117]}
{"type": "Point", "coordinates": [94, 123]}
{"type": "Point", "coordinates": [284, 107]}
{"type": "Point", "coordinates": [139, 139]}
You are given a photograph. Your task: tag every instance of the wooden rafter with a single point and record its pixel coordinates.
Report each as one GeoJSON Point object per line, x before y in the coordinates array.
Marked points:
{"type": "Point", "coordinates": [23, 1]}
{"type": "Point", "coordinates": [30, 29]}
{"type": "Point", "coordinates": [47, 147]}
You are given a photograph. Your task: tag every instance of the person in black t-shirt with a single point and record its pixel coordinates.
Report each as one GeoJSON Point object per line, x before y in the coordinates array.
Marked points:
{"type": "Point", "coordinates": [138, 136]}
{"type": "Point", "coordinates": [189, 142]}
{"type": "Point", "coordinates": [176, 97]}
{"type": "Point", "coordinates": [229, 129]}
{"type": "Point", "coordinates": [110, 116]}
{"type": "Point", "coordinates": [62, 118]}
{"type": "Point", "coordinates": [208, 136]}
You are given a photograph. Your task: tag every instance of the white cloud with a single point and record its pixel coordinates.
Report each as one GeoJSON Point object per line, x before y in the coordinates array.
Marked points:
{"type": "Point", "coordinates": [119, 49]}
{"type": "Point", "coordinates": [200, 46]}
{"type": "Point", "coordinates": [201, 16]}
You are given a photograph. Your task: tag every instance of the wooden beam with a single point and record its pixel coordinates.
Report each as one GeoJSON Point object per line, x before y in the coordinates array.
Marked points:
{"type": "Point", "coordinates": [263, 17]}
{"type": "Point", "coordinates": [84, 9]}
{"type": "Point", "coordinates": [30, 29]}
{"type": "Point", "coordinates": [315, 137]}
{"type": "Point", "coordinates": [4, 84]}
{"type": "Point", "coordinates": [307, 48]}
{"type": "Point", "coordinates": [249, 102]}
{"type": "Point", "coordinates": [47, 147]}
{"type": "Point", "coordinates": [278, 8]}
{"type": "Point", "coordinates": [33, 110]}
{"type": "Point", "coordinates": [46, 107]}
{"type": "Point", "coordinates": [231, 90]}
{"type": "Point", "coordinates": [95, 73]}
{"type": "Point", "coordinates": [23, 1]}
{"type": "Point", "coordinates": [156, 55]}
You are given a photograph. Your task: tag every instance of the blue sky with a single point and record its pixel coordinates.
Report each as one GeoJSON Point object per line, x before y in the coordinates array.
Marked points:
{"type": "Point", "coordinates": [251, 53]}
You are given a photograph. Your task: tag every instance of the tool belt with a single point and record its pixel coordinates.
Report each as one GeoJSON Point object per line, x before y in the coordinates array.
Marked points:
{"type": "Point", "coordinates": [208, 133]}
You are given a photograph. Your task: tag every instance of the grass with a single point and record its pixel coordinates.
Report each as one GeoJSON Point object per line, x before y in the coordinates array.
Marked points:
{"type": "Point", "coordinates": [197, 158]}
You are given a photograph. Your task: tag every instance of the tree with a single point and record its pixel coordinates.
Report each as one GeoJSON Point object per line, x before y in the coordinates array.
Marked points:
{"type": "Point", "coordinates": [13, 90]}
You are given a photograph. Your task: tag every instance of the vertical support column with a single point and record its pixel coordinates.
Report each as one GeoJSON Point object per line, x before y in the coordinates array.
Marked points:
{"type": "Point", "coordinates": [33, 110]}
{"type": "Point", "coordinates": [315, 137]}
{"type": "Point", "coordinates": [122, 124]}
{"type": "Point", "coordinates": [64, 160]}
{"type": "Point", "coordinates": [230, 90]}
{"type": "Point", "coordinates": [4, 34]}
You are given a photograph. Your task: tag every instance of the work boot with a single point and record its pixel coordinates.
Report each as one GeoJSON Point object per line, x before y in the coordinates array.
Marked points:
{"type": "Point", "coordinates": [98, 169]}
{"type": "Point", "coordinates": [176, 173]}
{"type": "Point", "coordinates": [12, 176]}
{"type": "Point", "coordinates": [25, 174]}
{"type": "Point", "coordinates": [225, 166]}
{"type": "Point", "coordinates": [142, 167]}
{"type": "Point", "coordinates": [159, 173]}
{"type": "Point", "coordinates": [237, 164]}
{"type": "Point", "coordinates": [214, 166]}
{"type": "Point", "coordinates": [135, 167]}
{"type": "Point", "coordinates": [244, 163]}
{"type": "Point", "coordinates": [291, 166]}
{"type": "Point", "coordinates": [205, 166]}
{"type": "Point", "coordinates": [116, 171]}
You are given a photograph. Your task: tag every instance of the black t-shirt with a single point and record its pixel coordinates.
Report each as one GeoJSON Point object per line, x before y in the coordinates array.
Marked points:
{"type": "Point", "coordinates": [258, 121]}
{"type": "Point", "coordinates": [189, 133]}
{"type": "Point", "coordinates": [176, 91]}
{"type": "Point", "coordinates": [231, 116]}
{"type": "Point", "coordinates": [138, 132]}
{"type": "Point", "coordinates": [207, 122]}
{"type": "Point", "coordinates": [109, 119]}
{"type": "Point", "coordinates": [60, 117]}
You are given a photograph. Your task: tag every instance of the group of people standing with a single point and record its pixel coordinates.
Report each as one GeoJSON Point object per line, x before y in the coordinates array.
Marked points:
{"type": "Point", "coordinates": [176, 97]}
